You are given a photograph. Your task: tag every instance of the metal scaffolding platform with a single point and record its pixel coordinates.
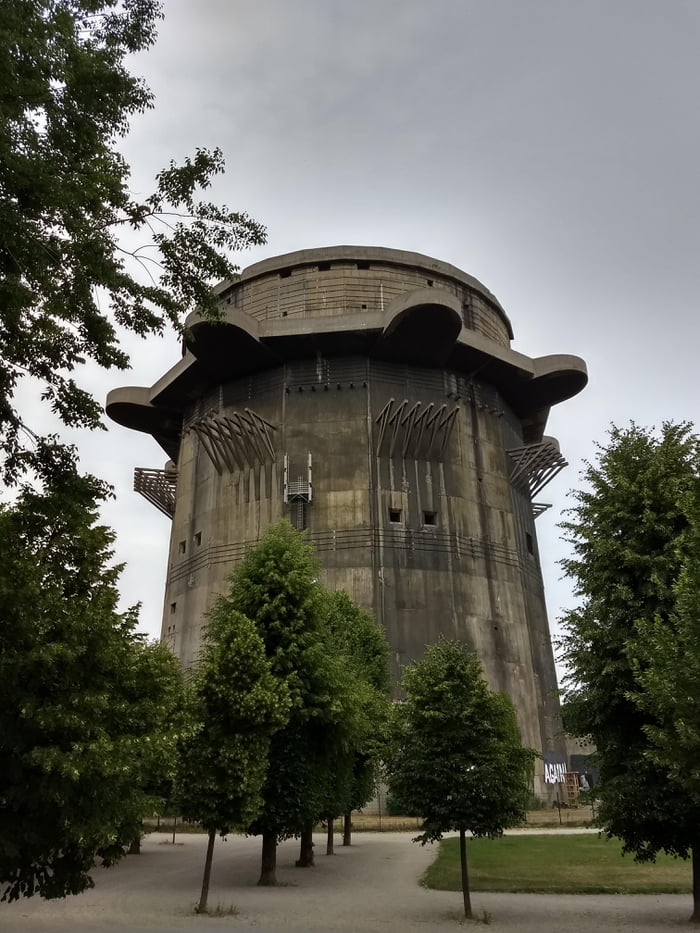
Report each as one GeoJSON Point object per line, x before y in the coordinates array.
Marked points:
{"type": "Point", "coordinates": [158, 486]}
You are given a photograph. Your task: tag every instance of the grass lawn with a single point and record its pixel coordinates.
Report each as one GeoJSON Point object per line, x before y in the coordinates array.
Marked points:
{"type": "Point", "coordinates": [556, 864]}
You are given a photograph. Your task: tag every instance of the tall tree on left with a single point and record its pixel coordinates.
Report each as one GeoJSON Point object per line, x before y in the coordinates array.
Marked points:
{"type": "Point", "coordinates": [89, 713]}
{"type": "Point", "coordinates": [67, 280]}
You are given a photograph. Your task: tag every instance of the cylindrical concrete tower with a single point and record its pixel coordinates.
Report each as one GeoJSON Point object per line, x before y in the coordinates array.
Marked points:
{"type": "Point", "coordinates": [371, 396]}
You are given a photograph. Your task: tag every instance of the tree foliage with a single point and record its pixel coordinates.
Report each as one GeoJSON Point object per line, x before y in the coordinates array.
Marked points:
{"type": "Point", "coordinates": [363, 651]}
{"type": "Point", "coordinates": [310, 762]}
{"type": "Point", "coordinates": [457, 758]}
{"type": "Point", "coordinates": [630, 533]}
{"type": "Point", "coordinates": [276, 586]}
{"type": "Point", "coordinates": [88, 711]}
{"type": "Point", "coordinates": [237, 704]}
{"type": "Point", "coordinates": [69, 278]}
{"type": "Point", "coordinates": [665, 658]}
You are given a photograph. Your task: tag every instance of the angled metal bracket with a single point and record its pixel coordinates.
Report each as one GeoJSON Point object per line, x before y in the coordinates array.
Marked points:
{"type": "Point", "coordinates": [535, 465]}
{"type": "Point", "coordinates": [235, 441]}
{"type": "Point", "coordinates": [422, 431]}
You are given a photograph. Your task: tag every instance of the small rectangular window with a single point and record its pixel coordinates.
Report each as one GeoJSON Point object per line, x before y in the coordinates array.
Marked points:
{"type": "Point", "coordinates": [430, 283]}
{"type": "Point", "coordinates": [173, 608]}
{"type": "Point", "coordinates": [182, 547]}
{"type": "Point", "coordinates": [363, 264]}
{"type": "Point", "coordinates": [324, 267]}
{"type": "Point", "coordinates": [430, 518]}
{"type": "Point", "coordinates": [394, 515]}
{"type": "Point", "coordinates": [285, 273]}
{"type": "Point", "coordinates": [198, 539]}
{"type": "Point", "coordinates": [529, 543]}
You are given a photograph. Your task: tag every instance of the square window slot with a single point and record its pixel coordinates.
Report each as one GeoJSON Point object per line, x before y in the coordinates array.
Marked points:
{"type": "Point", "coordinates": [394, 515]}
{"type": "Point", "coordinates": [430, 518]}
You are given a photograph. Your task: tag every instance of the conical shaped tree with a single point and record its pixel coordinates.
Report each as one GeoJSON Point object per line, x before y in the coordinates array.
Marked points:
{"type": "Point", "coordinates": [237, 705]}
{"type": "Point", "coordinates": [632, 535]}
{"type": "Point", "coordinates": [457, 759]}
{"type": "Point", "coordinates": [276, 586]}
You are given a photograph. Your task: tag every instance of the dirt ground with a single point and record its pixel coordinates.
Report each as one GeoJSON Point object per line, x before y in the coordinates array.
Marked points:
{"type": "Point", "coordinates": [369, 887]}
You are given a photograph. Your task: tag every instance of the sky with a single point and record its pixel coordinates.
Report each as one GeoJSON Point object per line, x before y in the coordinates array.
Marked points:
{"type": "Point", "coordinates": [549, 148]}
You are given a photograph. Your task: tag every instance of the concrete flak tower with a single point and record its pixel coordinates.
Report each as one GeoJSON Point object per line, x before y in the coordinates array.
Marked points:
{"type": "Point", "coordinates": [372, 397]}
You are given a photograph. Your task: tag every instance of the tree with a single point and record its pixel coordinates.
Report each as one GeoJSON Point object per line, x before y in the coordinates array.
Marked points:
{"type": "Point", "coordinates": [665, 659]}
{"type": "Point", "coordinates": [88, 711]}
{"type": "Point", "coordinates": [631, 531]}
{"type": "Point", "coordinates": [457, 758]}
{"type": "Point", "coordinates": [67, 280]}
{"type": "Point", "coordinates": [276, 586]}
{"type": "Point", "coordinates": [237, 705]}
{"type": "Point", "coordinates": [364, 651]}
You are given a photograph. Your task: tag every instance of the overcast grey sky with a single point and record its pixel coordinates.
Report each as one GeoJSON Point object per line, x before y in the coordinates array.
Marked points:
{"type": "Point", "coordinates": [548, 147]}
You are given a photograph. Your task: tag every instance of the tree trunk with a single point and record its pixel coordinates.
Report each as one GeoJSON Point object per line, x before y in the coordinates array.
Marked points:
{"type": "Point", "coordinates": [465, 874]}
{"type": "Point", "coordinates": [135, 847]}
{"type": "Point", "coordinates": [268, 867]}
{"type": "Point", "coordinates": [202, 909]}
{"type": "Point", "coordinates": [347, 828]}
{"type": "Point", "coordinates": [329, 837]}
{"type": "Point", "coordinates": [695, 856]}
{"type": "Point", "coordinates": [306, 848]}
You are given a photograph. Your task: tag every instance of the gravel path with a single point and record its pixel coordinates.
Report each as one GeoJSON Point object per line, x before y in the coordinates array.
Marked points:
{"type": "Point", "coordinates": [370, 887]}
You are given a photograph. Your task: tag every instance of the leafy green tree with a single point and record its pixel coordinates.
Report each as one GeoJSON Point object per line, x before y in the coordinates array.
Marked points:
{"type": "Point", "coordinates": [363, 650]}
{"type": "Point", "coordinates": [237, 705]}
{"type": "Point", "coordinates": [276, 586]}
{"type": "Point", "coordinates": [631, 532]}
{"type": "Point", "coordinates": [665, 659]}
{"type": "Point", "coordinates": [88, 711]}
{"type": "Point", "coordinates": [157, 690]}
{"type": "Point", "coordinates": [457, 758]}
{"type": "Point", "coordinates": [68, 279]}
{"type": "Point", "coordinates": [348, 735]}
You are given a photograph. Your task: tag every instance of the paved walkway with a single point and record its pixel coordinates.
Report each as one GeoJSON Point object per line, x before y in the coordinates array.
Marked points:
{"type": "Point", "coordinates": [370, 887]}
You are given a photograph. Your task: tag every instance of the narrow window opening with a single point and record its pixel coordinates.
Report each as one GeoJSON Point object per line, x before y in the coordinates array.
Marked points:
{"type": "Point", "coordinates": [394, 515]}
{"type": "Point", "coordinates": [324, 267]}
{"type": "Point", "coordinates": [364, 307]}
{"type": "Point", "coordinates": [173, 607]}
{"type": "Point", "coordinates": [529, 543]}
{"type": "Point", "coordinates": [430, 518]}
{"type": "Point", "coordinates": [285, 273]}
{"type": "Point", "coordinates": [182, 547]}
{"type": "Point", "coordinates": [198, 539]}
{"type": "Point", "coordinates": [430, 283]}
{"type": "Point", "coordinates": [284, 314]}
{"type": "Point", "coordinates": [363, 264]}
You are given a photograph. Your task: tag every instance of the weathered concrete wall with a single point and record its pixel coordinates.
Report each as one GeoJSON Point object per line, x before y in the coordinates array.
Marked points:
{"type": "Point", "coordinates": [467, 574]}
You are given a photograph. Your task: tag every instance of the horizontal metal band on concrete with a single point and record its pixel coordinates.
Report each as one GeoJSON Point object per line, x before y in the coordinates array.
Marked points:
{"type": "Point", "coordinates": [460, 547]}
